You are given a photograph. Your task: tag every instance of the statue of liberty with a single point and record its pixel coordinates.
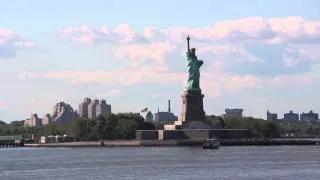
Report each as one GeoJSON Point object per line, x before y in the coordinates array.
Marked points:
{"type": "Point", "coordinates": [193, 64]}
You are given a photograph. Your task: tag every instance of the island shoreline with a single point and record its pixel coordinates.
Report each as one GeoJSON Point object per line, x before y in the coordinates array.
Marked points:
{"type": "Point", "coordinates": [178, 143]}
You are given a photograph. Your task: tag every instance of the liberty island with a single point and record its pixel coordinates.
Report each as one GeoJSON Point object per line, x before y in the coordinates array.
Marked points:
{"type": "Point", "coordinates": [191, 124]}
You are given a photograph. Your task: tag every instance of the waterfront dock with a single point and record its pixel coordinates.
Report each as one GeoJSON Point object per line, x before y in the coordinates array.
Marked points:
{"type": "Point", "coordinates": [176, 143]}
{"type": "Point", "coordinates": [255, 142]}
{"type": "Point", "coordinates": [268, 142]}
{"type": "Point", "coordinates": [10, 144]}
{"type": "Point", "coordinates": [10, 141]}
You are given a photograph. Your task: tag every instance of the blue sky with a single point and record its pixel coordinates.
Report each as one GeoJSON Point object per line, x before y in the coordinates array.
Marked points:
{"type": "Point", "coordinates": [258, 54]}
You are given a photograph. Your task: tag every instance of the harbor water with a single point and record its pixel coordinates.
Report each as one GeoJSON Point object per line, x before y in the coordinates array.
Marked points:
{"type": "Point", "coordinates": [267, 162]}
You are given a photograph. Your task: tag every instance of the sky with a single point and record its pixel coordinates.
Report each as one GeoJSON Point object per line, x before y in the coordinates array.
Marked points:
{"type": "Point", "coordinates": [258, 55]}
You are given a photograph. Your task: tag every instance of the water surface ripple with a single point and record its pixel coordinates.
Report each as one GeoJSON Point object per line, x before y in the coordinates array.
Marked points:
{"type": "Point", "coordinates": [243, 163]}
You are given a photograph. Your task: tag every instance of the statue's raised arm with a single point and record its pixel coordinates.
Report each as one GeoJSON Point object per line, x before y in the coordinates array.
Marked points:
{"type": "Point", "coordinates": [188, 39]}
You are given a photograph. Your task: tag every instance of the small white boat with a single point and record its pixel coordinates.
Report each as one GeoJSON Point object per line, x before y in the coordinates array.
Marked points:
{"type": "Point", "coordinates": [210, 144]}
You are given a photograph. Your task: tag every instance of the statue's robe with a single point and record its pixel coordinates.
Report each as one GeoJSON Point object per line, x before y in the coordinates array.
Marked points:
{"type": "Point", "coordinates": [193, 64]}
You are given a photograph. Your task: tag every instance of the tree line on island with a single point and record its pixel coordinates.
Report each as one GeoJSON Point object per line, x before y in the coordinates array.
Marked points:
{"type": "Point", "coordinates": [113, 126]}
{"type": "Point", "coordinates": [124, 125]}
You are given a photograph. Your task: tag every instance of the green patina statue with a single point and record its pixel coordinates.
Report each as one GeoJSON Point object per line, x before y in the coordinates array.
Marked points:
{"type": "Point", "coordinates": [193, 82]}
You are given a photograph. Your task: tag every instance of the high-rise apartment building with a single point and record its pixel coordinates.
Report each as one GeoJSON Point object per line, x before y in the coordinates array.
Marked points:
{"type": "Point", "coordinates": [83, 108]}
{"type": "Point", "coordinates": [272, 116]}
{"type": "Point", "coordinates": [234, 112]}
{"type": "Point", "coordinates": [290, 117]}
{"type": "Point", "coordinates": [309, 117]}
{"type": "Point", "coordinates": [33, 121]}
{"type": "Point", "coordinates": [47, 119]}
{"type": "Point", "coordinates": [63, 112]}
{"type": "Point", "coordinates": [103, 108]}
{"type": "Point", "coordinates": [92, 109]}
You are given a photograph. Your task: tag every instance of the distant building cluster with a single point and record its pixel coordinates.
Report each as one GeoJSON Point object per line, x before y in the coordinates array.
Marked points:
{"type": "Point", "coordinates": [159, 116]}
{"type": "Point", "coordinates": [63, 113]}
{"type": "Point", "coordinates": [292, 117]}
{"type": "Point", "coordinates": [34, 120]}
{"type": "Point", "coordinates": [236, 112]}
{"type": "Point", "coordinates": [93, 108]}
{"type": "Point", "coordinates": [88, 108]}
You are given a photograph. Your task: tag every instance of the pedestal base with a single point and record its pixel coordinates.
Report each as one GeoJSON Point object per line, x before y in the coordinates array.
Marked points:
{"type": "Point", "coordinates": [192, 106]}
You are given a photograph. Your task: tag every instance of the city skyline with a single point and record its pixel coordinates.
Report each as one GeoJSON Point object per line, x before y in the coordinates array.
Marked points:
{"type": "Point", "coordinates": [257, 56]}
{"type": "Point", "coordinates": [236, 112]}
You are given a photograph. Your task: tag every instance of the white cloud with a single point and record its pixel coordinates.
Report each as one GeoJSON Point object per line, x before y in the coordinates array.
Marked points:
{"type": "Point", "coordinates": [111, 93]}
{"type": "Point", "coordinates": [10, 42]}
{"type": "Point", "coordinates": [234, 53]}
{"type": "Point", "coordinates": [297, 54]}
{"type": "Point", "coordinates": [290, 80]}
{"type": "Point", "coordinates": [152, 33]}
{"type": "Point", "coordinates": [157, 44]}
{"type": "Point", "coordinates": [227, 39]}
{"type": "Point", "coordinates": [123, 33]}
{"type": "Point", "coordinates": [124, 77]}
{"type": "Point", "coordinates": [253, 29]}
{"type": "Point", "coordinates": [292, 29]}
{"type": "Point", "coordinates": [213, 82]}
{"type": "Point", "coordinates": [28, 75]}
{"type": "Point", "coordinates": [139, 53]}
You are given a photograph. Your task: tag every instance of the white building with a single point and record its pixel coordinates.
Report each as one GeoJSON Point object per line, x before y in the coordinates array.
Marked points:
{"type": "Point", "coordinates": [83, 108]}
{"type": "Point", "coordinates": [47, 119]}
{"type": "Point", "coordinates": [96, 108]}
{"type": "Point", "coordinates": [27, 123]}
{"type": "Point", "coordinates": [92, 109]}
{"type": "Point", "coordinates": [33, 121]}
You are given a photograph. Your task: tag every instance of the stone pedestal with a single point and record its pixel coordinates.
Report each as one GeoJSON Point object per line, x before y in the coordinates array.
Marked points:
{"type": "Point", "coordinates": [192, 107]}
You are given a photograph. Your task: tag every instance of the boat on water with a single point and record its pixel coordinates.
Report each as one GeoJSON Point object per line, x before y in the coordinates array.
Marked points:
{"type": "Point", "coordinates": [210, 144]}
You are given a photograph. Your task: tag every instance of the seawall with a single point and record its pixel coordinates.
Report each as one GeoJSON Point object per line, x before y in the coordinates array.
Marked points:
{"type": "Point", "coordinates": [10, 144]}
{"type": "Point", "coordinates": [124, 143]}
{"type": "Point", "coordinates": [176, 143]}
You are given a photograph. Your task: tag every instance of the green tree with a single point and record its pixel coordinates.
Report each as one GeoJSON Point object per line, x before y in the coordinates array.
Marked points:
{"type": "Point", "coordinates": [125, 128]}
{"type": "Point", "coordinates": [78, 128]}
{"type": "Point", "coordinates": [271, 130]}
{"type": "Point", "coordinates": [109, 127]}
{"type": "Point", "coordinates": [146, 126]}
{"type": "Point", "coordinates": [101, 126]}
{"type": "Point", "coordinates": [2, 123]}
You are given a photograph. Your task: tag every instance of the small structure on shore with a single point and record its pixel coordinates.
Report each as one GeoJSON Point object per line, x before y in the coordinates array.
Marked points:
{"type": "Point", "coordinates": [11, 141]}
